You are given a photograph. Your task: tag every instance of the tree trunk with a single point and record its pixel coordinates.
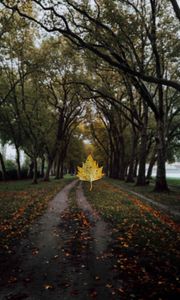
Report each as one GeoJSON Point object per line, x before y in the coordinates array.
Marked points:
{"type": "Point", "coordinates": [115, 166]}
{"type": "Point", "coordinates": [106, 171]}
{"type": "Point", "coordinates": [42, 166]}
{"type": "Point", "coordinates": [53, 168]}
{"type": "Point", "coordinates": [47, 173]}
{"type": "Point", "coordinates": [3, 168]}
{"type": "Point", "coordinates": [141, 179]}
{"type": "Point", "coordinates": [72, 169]}
{"type": "Point", "coordinates": [110, 157]}
{"type": "Point", "coordinates": [161, 183]}
{"type": "Point", "coordinates": [135, 167]}
{"type": "Point", "coordinates": [151, 163]}
{"type": "Point", "coordinates": [58, 166]}
{"type": "Point", "coordinates": [111, 164]}
{"type": "Point", "coordinates": [122, 163]}
{"type": "Point", "coordinates": [18, 162]}
{"type": "Point", "coordinates": [130, 175]}
{"type": "Point", "coordinates": [35, 171]}
{"type": "Point", "coordinates": [62, 169]}
{"type": "Point", "coordinates": [30, 171]}
{"type": "Point", "coordinates": [122, 170]}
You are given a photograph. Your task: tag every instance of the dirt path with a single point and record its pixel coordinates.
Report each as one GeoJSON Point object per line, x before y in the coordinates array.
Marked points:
{"type": "Point", "coordinates": [34, 261]}
{"type": "Point", "coordinates": [71, 253]}
{"type": "Point", "coordinates": [65, 256]}
{"type": "Point", "coordinates": [100, 230]}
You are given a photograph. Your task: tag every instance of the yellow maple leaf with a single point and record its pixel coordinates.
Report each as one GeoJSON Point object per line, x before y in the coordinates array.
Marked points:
{"type": "Point", "coordinates": [90, 171]}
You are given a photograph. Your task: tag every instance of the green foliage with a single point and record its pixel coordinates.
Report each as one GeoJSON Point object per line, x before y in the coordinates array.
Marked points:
{"type": "Point", "coordinates": [45, 85]}
{"type": "Point", "coordinates": [10, 164]}
{"type": "Point", "coordinates": [75, 153]}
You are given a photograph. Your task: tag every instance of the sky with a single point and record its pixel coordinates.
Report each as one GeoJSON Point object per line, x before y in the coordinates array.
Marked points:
{"type": "Point", "coordinates": [10, 153]}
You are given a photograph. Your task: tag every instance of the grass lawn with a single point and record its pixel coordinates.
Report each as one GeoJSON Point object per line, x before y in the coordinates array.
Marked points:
{"type": "Point", "coordinates": [145, 242]}
{"type": "Point", "coordinates": [173, 181]}
{"type": "Point", "coordinates": [21, 202]}
{"type": "Point", "coordinates": [172, 198]}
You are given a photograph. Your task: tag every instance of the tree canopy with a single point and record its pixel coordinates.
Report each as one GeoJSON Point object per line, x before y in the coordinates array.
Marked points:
{"type": "Point", "coordinates": [103, 71]}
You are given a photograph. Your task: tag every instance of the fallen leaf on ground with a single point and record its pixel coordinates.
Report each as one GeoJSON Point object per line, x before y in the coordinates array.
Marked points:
{"type": "Point", "coordinates": [48, 287]}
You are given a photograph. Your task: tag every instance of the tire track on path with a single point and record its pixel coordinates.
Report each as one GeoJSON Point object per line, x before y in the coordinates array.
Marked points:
{"type": "Point", "coordinates": [32, 271]}
{"type": "Point", "coordinates": [67, 254]}
{"type": "Point", "coordinates": [100, 231]}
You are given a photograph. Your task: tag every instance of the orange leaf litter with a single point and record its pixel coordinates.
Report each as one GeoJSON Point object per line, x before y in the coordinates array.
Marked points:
{"type": "Point", "coordinates": [146, 208]}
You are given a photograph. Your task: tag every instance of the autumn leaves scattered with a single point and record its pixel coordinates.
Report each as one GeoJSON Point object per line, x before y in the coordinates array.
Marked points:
{"type": "Point", "coordinates": [142, 256]}
{"type": "Point", "coordinates": [144, 243]}
{"type": "Point", "coordinates": [19, 208]}
{"type": "Point", "coordinates": [141, 261]}
{"type": "Point", "coordinates": [17, 221]}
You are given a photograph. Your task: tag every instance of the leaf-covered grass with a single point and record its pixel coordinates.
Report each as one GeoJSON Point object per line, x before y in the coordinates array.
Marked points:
{"type": "Point", "coordinates": [22, 185]}
{"type": "Point", "coordinates": [171, 199]}
{"type": "Point", "coordinates": [21, 202]}
{"type": "Point", "coordinates": [173, 181]}
{"type": "Point", "coordinates": [145, 242]}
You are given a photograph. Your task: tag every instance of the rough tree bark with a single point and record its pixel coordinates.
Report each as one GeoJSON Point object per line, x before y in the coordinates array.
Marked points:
{"type": "Point", "coordinates": [141, 179]}
{"type": "Point", "coordinates": [161, 183]}
{"type": "Point", "coordinates": [130, 175]}
{"type": "Point", "coordinates": [18, 162]}
{"type": "Point", "coordinates": [31, 167]}
{"type": "Point", "coordinates": [176, 8]}
{"type": "Point", "coordinates": [151, 163]}
{"type": "Point", "coordinates": [115, 165]}
{"type": "Point", "coordinates": [35, 175]}
{"type": "Point", "coordinates": [42, 166]}
{"type": "Point", "coordinates": [49, 165]}
{"type": "Point", "coordinates": [62, 169]}
{"type": "Point", "coordinates": [3, 168]}
{"type": "Point", "coordinates": [122, 163]}
{"type": "Point", "coordinates": [135, 166]}
{"type": "Point", "coordinates": [58, 166]}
